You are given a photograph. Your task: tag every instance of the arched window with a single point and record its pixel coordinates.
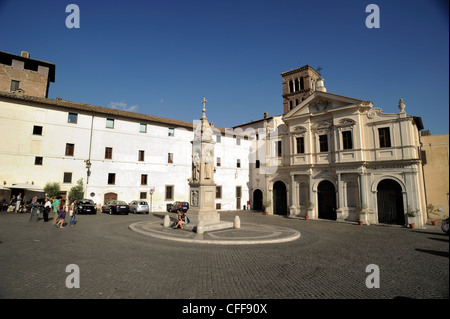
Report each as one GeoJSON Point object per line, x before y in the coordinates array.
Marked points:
{"type": "Point", "coordinates": [302, 84]}
{"type": "Point", "coordinates": [297, 87]}
{"type": "Point", "coordinates": [291, 86]}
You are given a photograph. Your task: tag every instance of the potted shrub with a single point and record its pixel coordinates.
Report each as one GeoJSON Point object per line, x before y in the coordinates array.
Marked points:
{"type": "Point", "coordinates": [410, 214]}
{"type": "Point", "coordinates": [308, 206]}
{"type": "Point", "coordinates": [362, 211]}
{"type": "Point", "coordinates": [433, 213]}
{"type": "Point", "coordinates": [266, 205]}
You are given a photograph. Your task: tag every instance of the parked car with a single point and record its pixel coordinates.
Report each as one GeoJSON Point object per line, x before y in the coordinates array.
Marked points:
{"type": "Point", "coordinates": [116, 207]}
{"type": "Point", "coordinates": [444, 226]}
{"type": "Point", "coordinates": [178, 205]}
{"type": "Point", "coordinates": [86, 206]}
{"type": "Point", "coordinates": [139, 206]}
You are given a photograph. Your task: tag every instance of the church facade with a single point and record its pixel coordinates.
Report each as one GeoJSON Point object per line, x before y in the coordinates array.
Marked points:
{"type": "Point", "coordinates": [340, 155]}
{"type": "Point", "coordinates": [327, 156]}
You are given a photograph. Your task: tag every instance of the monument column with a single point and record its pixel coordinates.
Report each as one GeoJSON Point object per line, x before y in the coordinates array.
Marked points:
{"type": "Point", "coordinates": [202, 188]}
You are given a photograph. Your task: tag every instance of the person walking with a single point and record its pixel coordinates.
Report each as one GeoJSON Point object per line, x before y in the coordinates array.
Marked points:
{"type": "Point", "coordinates": [47, 208]}
{"type": "Point", "coordinates": [18, 202]}
{"type": "Point", "coordinates": [55, 210]}
{"type": "Point", "coordinates": [73, 212]}
{"type": "Point", "coordinates": [61, 214]}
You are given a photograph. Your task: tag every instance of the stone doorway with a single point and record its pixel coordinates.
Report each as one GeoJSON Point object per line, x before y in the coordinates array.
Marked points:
{"type": "Point", "coordinates": [279, 198]}
{"type": "Point", "coordinates": [109, 197]}
{"type": "Point", "coordinates": [257, 199]}
{"type": "Point", "coordinates": [326, 197]}
{"type": "Point", "coordinates": [390, 203]}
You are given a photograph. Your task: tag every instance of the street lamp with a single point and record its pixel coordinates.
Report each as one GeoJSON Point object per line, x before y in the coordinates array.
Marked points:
{"type": "Point", "coordinates": [88, 166]}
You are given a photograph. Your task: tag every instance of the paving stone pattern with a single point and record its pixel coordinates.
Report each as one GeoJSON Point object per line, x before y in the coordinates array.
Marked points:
{"type": "Point", "coordinates": [327, 261]}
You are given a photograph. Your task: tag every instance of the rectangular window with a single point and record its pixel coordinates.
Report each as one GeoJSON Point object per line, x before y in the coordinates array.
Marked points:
{"type": "Point", "coordinates": [323, 143]}
{"type": "Point", "coordinates": [143, 128]}
{"type": "Point", "coordinates": [67, 178]}
{"type": "Point", "coordinates": [219, 162]}
{"type": "Point", "coordinates": [72, 118]}
{"type": "Point", "coordinates": [14, 85]}
{"type": "Point", "coordinates": [385, 137]}
{"type": "Point", "coordinates": [108, 152]}
{"type": "Point", "coordinates": [141, 156]}
{"type": "Point", "coordinates": [300, 145]}
{"type": "Point", "coordinates": [38, 160]}
{"type": "Point", "coordinates": [238, 141]}
{"type": "Point", "coordinates": [169, 192]}
{"type": "Point", "coordinates": [218, 191]}
{"type": "Point", "coordinates": [238, 163]}
{"type": "Point", "coordinates": [70, 148]}
{"type": "Point", "coordinates": [278, 148]}
{"type": "Point", "coordinates": [170, 158]}
{"type": "Point", "coordinates": [110, 123]}
{"type": "Point", "coordinates": [171, 131]}
{"type": "Point", "coordinates": [218, 206]}
{"type": "Point", "coordinates": [218, 138]}
{"type": "Point", "coordinates": [347, 143]}
{"type": "Point", "coordinates": [37, 130]}
{"type": "Point", "coordinates": [111, 178]}
{"type": "Point", "coordinates": [143, 179]}
{"type": "Point", "coordinates": [143, 195]}
{"type": "Point", "coordinates": [257, 164]}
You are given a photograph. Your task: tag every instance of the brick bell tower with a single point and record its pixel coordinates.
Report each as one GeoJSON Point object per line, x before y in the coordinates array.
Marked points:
{"type": "Point", "coordinates": [298, 84]}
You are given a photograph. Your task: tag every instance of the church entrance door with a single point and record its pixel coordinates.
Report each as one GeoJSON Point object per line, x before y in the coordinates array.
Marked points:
{"type": "Point", "coordinates": [279, 198]}
{"type": "Point", "coordinates": [326, 197]}
{"type": "Point", "coordinates": [257, 199]}
{"type": "Point", "coordinates": [390, 203]}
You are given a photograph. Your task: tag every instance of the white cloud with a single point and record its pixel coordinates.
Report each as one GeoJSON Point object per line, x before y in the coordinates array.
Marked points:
{"type": "Point", "coordinates": [123, 106]}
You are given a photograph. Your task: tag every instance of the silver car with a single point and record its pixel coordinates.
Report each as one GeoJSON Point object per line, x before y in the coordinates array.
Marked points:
{"type": "Point", "coordinates": [139, 207]}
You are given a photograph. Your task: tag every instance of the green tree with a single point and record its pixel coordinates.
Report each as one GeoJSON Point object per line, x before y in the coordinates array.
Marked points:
{"type": "Point", "coordinates": [52, 189]}
{"type": "Point", "coordinates": [77, 192]}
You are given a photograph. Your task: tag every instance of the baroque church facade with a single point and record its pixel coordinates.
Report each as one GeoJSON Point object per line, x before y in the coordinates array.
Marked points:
{"type": "Point", "coordinates": [331, 153]}
{"type": "Point", "coordinates": [340, 155]}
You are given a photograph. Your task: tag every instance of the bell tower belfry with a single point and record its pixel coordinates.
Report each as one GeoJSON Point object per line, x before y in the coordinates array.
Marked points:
{"type": "Point", "coordinates": [298, 84]}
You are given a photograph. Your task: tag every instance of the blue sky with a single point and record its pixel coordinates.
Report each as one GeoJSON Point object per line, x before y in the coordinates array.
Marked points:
{"type": "Point", "coordinates": [162, 57]}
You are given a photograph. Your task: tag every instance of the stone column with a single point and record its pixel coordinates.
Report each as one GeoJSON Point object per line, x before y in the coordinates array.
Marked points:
{"type": "Point", "coordinates": [292, 208]}
{"type": "Point", "coordinates": [339, 211]}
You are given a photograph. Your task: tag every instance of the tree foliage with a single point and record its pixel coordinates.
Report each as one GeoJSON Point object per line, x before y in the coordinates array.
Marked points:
{"type": "Point", "coordinates": [76, 192]}
{"type": "Point", "coordinates": [52, 189]}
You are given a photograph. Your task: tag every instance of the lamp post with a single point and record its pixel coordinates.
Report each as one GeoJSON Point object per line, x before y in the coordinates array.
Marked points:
{"type": "Point", "coordinates": [88, 166]}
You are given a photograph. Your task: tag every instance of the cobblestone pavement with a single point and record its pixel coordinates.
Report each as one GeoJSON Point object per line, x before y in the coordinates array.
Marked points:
{"type": "Point", "coordinates": [329, 260]}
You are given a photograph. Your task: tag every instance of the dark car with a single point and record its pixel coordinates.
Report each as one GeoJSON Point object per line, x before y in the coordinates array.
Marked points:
{"type": "Point", "coordinates": [116, 207]}
{"type": "Point", "coordinates": [177, 206]}
{"type": "Point", "coordinates": [86, 206]}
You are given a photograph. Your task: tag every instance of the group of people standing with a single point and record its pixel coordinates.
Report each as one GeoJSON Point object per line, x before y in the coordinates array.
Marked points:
{"type": "Point", "coordinates": [59, 208]}
{"type": "Point", "coordinates": [16, 204]}
{"type": "Point", "coordinates": [57, 205]}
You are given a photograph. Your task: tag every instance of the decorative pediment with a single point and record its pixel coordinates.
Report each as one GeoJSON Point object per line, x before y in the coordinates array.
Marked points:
{"type": "Point", "coordinates": [345, 123]}
{"type": "Point", "coordinates": [322, 126]}
{"type": "Point", "coordinates": [299, 130]}
{"type": "Point", "coordinates": [323, 102]}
